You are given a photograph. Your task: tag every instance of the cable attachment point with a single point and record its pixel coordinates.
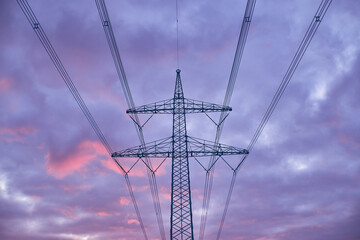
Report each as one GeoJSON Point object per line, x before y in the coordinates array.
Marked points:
{"type": "Point", "coordinates": [221, 122]}
{"type": "Point", "coordinates": [138, 124]}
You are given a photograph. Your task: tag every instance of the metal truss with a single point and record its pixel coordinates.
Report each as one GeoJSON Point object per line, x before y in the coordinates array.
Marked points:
{"type": "Point", "coordinates": [196, 148]}
{"type": "Point", "coordinates": [190, 106]}
{"type": "Point", "coordinates": [180, 147]}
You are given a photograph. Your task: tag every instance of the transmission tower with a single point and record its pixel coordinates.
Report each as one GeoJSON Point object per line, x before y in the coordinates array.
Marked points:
{"type": "Point", "coordinates": [180, 147]}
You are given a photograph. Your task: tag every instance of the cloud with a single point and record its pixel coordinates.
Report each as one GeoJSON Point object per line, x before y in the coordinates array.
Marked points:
{"type": "Point", "coordinates": [15, 134]}
{"type": "Point", "coordinates": [299, 182]}
{"type": "Point", "coordinates": [77, 160]}
{"type": "Point", "coordinates": [103, 214]}
{"type": "Point", "coordinates": [131, 221]}
{"type": "Point", "coordinates": [5, 84]}
{"type": "Point", "coordinates": [124, 201]}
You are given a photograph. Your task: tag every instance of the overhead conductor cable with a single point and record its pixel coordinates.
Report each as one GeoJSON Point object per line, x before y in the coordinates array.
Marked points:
{"type": "Point", "coordinates": [249, 10]}
{"type": "Point", "coordinates": [319, 15]}
{"type": "Point", "coordinates": [105, 20]}
{"type": "Point", "coordinates": [25, 7]}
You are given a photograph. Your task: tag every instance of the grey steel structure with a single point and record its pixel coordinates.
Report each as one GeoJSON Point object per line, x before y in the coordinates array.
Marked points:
{"type": "Point", "coordinates": [180, 147]}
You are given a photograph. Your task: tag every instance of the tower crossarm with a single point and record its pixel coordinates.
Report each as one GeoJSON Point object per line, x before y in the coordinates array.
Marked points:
{"type": "Point", "coordinates": [156, 149]}
{"type": "Point", "coordinates": [161, 107]}
{"type": "Point", "coordinates": [202, 148]}
{"type": "Point", "coordinates": [196, 148]}
{"type": "Point", "coordinates": [196, 106]}
{"type": "Point", "coordinates": [167, 107]}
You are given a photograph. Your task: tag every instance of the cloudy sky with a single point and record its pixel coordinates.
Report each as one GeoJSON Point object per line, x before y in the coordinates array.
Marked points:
{"type": "Point", "coordinates": [301, 180]}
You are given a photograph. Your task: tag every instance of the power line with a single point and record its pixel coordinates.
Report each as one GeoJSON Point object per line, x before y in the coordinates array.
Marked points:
{"type": "Point", "coordinates": [324, 5]}
{"type": "Point", "coordinates": [249, 10]}
{"type": "Point", "coordinates": [105, 20]}
{"type": "Point", "coordinates": [25, 7]}
{"type": "Point", "coordinates": [61, 69]}
{"type": "Point", "coordinates": [292, 68]}
{"type": "Point", "coordinates": [320, 13]}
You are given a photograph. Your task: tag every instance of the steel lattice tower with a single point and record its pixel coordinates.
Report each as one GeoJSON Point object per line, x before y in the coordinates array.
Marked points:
{"type": "Point", "coordinates": [180, 147]}
{"type": "Point", "coordinates": [181, 214]}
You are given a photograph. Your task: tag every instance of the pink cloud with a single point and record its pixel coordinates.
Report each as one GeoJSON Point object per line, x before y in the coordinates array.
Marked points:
{"type": "Point", "coordinates": [103, 214]}
{"type": "Point", "coordinates": [23, 130]}
{"type": "Point", "coordinates": [83, 155]}
{"type": "Point", "coordinates": [124, 201]}
{"type": "Point", "coordinates": [130, 221]}
{"type": "Point", "coordinates": [165, 193]}
{"type": "Point", "coordinates": [5, 84]}
{"type": "Point", "coordinates": [126, 164]}
{"type": "Point", "coordinates": [15, 134]}
{"type": "Point", "coordinates": [111, 165]}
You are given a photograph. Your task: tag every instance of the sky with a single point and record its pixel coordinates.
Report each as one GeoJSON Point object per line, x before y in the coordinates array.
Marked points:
{"type": "Point", "coordinates": [301, 179]}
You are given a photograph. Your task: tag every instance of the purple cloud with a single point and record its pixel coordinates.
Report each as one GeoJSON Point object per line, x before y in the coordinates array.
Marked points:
{"type": "Point", "coordinates": [299, 182]}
